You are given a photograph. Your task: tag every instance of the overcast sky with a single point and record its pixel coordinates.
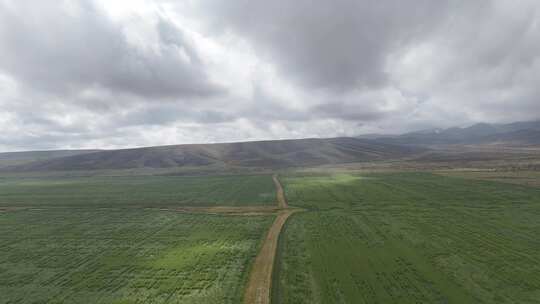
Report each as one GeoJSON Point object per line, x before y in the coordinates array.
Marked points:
{"type": "Point", "coordinates": [111, 74]}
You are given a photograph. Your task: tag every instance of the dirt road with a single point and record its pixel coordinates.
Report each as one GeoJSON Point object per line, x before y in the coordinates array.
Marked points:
{"type": "Point", "coordinates": [260, 279]}
{"type": "Point", "coordinates": [282, 201]}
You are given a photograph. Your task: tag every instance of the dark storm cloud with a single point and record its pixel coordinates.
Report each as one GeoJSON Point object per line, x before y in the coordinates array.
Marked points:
{"type": "Point", "coordinates": [338, 44]}
{"type": "Point", "coordinates": [52, 47]}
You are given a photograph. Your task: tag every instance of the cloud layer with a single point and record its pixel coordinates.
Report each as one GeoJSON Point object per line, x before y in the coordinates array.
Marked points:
{"type": "Point", "coordinates": [101, 74]}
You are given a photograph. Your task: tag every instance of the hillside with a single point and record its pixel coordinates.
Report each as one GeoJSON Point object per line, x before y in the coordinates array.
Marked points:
{"type": "Point", "coordinates": [18, 158]}
{"type": "Point", "coordinates": [514, 134]}
{"type": "Point", "coordinates": [480, 142]}
{"type": "Point", "coordinates": [260, 154]}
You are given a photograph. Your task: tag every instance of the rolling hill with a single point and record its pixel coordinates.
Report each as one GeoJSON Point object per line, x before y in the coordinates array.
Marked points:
{"type": "Point", "coordinates": [478, 142]}
{"type": "Point", "coordinates": [19, 158]}
{"type": "Point", "coordinates": [259, 154]}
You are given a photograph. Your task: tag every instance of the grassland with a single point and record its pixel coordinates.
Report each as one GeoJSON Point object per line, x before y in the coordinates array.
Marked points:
{"type": "Point", "coordinates": [520, 177]}
{"type": "Point", "coordinates": [372, 238]}
{"type": "Point", "coordinates": [409, 238]}
{"type": "Point", "coordinates": [67, 255]}
{"type": "Point", "coordinates": [131, 239]}
{"type": "Point", "coordinates": [144, 191]}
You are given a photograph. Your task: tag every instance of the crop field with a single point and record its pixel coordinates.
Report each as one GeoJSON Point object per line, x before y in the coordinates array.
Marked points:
{"type": "Point", "coordinates": [68, 255]}
{"type": "Point", "coordinates": [409, 238]}
{"type": "Point", "coordinates": [528, 178]}
{"type": "Point", "coordinates": [145, 191]}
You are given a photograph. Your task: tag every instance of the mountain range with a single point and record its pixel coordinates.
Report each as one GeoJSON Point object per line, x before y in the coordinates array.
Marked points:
{"type": "Point", "coordinates": [278, 153]}
{"type": "Point", "coordinates": [258, 154]}
{"type": "Point", "coordinates": [517, 133]}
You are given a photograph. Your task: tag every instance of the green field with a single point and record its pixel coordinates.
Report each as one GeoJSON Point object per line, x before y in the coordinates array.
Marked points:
{"type": "Point", "coordinates": [92, 239]}
{"type": "Point", "coordinates": [373, 238]}
{"type": "Point", "coordinates": [409, 238]}
{"type": "Point", "coordinates": [144, 191]}
{"type": "Point", "coordinates": [70, 255]}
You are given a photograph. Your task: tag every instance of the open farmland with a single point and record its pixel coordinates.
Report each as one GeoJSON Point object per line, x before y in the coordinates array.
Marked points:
{"type": "Point", "coordinates": [131, 239]}
{"type": "Point", "coordinates": [409, 238]}
{"type": "Point", "coordinates": [520, 177]}
{"type": "Point", "coordinates": [125, 256]}
{"type": "Point", "coordinates": [371, 238]}
{"type": "Point", "coordinates": [269, 152]}
{"type": "Point", "coordinates": [143, 191]}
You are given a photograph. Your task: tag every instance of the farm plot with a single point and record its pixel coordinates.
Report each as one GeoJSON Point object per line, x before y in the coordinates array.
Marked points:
{"type": "Point", "coordinates": [144, 191]}
{"type": "Point", "coordinates": [528, 178]}
{"type": "Point", "coordinates": [125, 256]}
{"type": "Point", "coordinates": [409, 238]}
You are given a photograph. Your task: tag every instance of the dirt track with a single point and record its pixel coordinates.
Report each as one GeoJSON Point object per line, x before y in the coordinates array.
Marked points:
{"type": "Point", "coordinates": [259, 283]}
{"type": "Point", "coordinates": [282, 202]}
{"type": "Point", "coordinates": [260, 279]}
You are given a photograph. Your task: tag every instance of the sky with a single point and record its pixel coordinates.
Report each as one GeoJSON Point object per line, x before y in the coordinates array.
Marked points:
{"type": "Point", "coordinates": [117, 74]}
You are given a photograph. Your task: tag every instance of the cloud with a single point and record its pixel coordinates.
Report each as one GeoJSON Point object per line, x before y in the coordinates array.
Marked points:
{"type": "Point", "coordinates": [337, 45]}
{"type": "Point", "coordinates": [113, 74]}
{"type": "Point", "coordinates": [65, 47]}
{"type": "Point", "coordinates": [482, 63]}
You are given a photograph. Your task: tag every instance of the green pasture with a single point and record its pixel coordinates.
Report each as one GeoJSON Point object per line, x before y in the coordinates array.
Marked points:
{"type": "Point", "coordinates": [409, 238]}
{"type": "Point", "coordinates": [67, 255]}
{"type": "Point", "coordinates": [141, 191]}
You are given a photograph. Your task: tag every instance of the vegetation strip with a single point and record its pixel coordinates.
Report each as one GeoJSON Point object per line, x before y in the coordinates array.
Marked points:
{"type": "Point", "coordinates": [248, 210]}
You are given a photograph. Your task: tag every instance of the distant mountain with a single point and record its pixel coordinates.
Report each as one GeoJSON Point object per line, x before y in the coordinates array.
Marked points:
{"type": "Point", "coordinates": [421, 145]}
{"type": "Point", "coordinates": [18, 158]}
{"type": "Point", "coordinates": [260, 154]}
{"type": "Point", "coordinates": [518, 133]}
{"type": "Point", "coordinates": [520, 137]}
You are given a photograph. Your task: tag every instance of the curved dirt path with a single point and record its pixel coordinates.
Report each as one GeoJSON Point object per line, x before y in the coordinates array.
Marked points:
{"type": "Point", "coordinates": [260, 279]}
{"type": "Point", "coordinates": [282, 201]}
